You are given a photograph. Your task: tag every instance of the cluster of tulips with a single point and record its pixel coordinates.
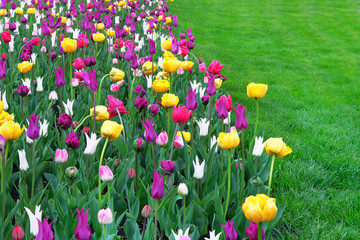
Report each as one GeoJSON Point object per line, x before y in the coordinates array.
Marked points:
{"type": "Point", "coordinates": [112, 128]}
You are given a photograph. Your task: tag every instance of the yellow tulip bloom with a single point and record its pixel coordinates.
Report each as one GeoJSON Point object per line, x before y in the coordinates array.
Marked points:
{"type": "Point", "coordinates": [98, 37]}
{"type": "Point", "coordinates": [111, 129]}
{"type": "Point", "coordinates": [278, 147]}
{"type": "Point", "coordinates": [116, 75]}
{"type": "Point", "coordinates": [171, 65]}
{"type": "Point", "coordinates": [101, 113]}
{"type": "Point", "coordinates": [69, 45]}
{"type": "Point", "coordinates": [187, 135]}
{"type": "Point", "coordinates": [186, 65]}
{"type": "Point", "coordinates": [169, 100]}
{"type": "Point", "coordinates": [166, 44]}
{"type": "Point", "coordinates": [259, 208]}
{"type": "Point", "coordinates": [11, 130]}
{"type": "Point", "coordinates": [256, 90]}
{"type": "Point", "coordinates": [160, 86]}
{"type": "Point", "coordinates": [24, 67]}
{"type": "Point", "coordinates": [149, 67]}
{"type": "Point", "coordinates": [228, 140]}
{"type": "Point", "coordinates": [5, 116]}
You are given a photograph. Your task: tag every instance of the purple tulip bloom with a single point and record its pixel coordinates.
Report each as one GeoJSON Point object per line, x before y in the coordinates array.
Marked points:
{"type": "Point", "coordinates": [210, 90]}
{"type": "Point", "coordinates": [129, 52]}
{"type": "Point", "coordinates": [141, 102]}
{"type": "Point", "coordinates": [89, 61]}
{"type": "Point", "coordinates": [72, 141]}
{"type": "Point", "coordinates": [205, 100]}
{"type": "Point", "coordinates": [230, 232]}
{"type": "Point", "coordinates": [175, 46]}
{"type": "Point", "coordinates": [44, 28]}
{"type": "Point", "coordinates": [45, 232]}
{"type": "Point", "coordinates": [222, 112]}
{"type": "Point", "coordinates": [154, 109]}
{"type": "Point", "coordinates": [175, 21]}
{"type": "Point", "coordinates": [157, 188]}
{"type": "Point", "coordinates": [107, 21]}
{"type": "Point", "coordinates": [59, 77]}
{"type": "Point", "coordinates": [90, 80]}
{"type": "Point", "coordinates": [33, 131]}
{"type": "Point", "coordinates": [152, 48]}
{"type": "Point", "coordinates": [189, 32]}
{"type": "Point", "coordinates": [64, 121]}
{"type": "Point", "coordinates": [150, 134]}
{"type": "Point", "coordinates": [2, 68]}
{"type": "Point", "coordinates": [168, 165]}
{"type": "Point", "coordinates": [191, 103]}
{"type": "Point", "coordinates": [82, 231]}
{"type": "Point", "coordinates": [134, 61]}
{"type": "Point", "coordinates": [182, 35]}
{"type": "Point", "coordinates": [2, 143]}
{"type": "Point", "coordinates": [252, 231]}
{"type": "Point", "coordinates": [23, 90]}
{"type": "Point", "coordinates": [241, 121]}
{"type": "Point", "coordinates": [140, 90]}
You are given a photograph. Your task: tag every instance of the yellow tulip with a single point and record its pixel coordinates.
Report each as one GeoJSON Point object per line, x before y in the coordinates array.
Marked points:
{"type": "Point", "coordinates": [69, 45]}
{"type": "Point", "coordinates": [99, 26]}
{"type": "Point", "coordinates": [256, 90]}
{"type": "Point", "coordinates": [259, 208]}
{"type": "Point", "coordinates": [63, 20]}
{"type": "Point", "coordinates": [110, 33]}
{"type": "Point", "coordinates": [228, 140]}
{"type": "Point", "coordinates": [5, 116]}
{"type": "Point", "coordinates": [30, 11]}
{"type": "Point", "coordinates": [101, 113]}
{"type": "Point", "coordinates": [11, 130]}
{"type": "Point", "coordinates": [24, 67]}
{"type": "Point", "coordinates": [121, 3]}
{"type": "Point", "coordinates": [278, 147]}
{"type": "Point", "coordinates": [218, 83]}
{"type": "Point", "coordinates": [186, 65]}
{"type": "Point", "coordinates": [111, 129]}
{"type": "Point", "coordinates": [116, 75]}
{"type": "Point", "coordinates": [162, 76]}
{"type": "Point", "coordinates": [171, 65]}
{"type": "Point", "coordinates": [98, 37]}
{"type": "Point", "coordinates": [160, 86]}
{"type": "Point", "coordinates": [149, 67]}
{"type": "Point", "coordinates": [169, 100]}
{"type": "Point", "coordinates": [3, 12]}
{"type": "Point", "coordinates": [166, 44]}
{"type": "Point", "coordinates": [19, 11]}
{"type": "Point", "coordinates": [168, 54]}
{"type": "Point", "coordinates": [187, 135]}
{"type": "Point", "coordinates": [168, 20]}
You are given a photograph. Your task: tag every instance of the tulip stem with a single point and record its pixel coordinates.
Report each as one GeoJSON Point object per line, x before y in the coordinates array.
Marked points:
{"type": "Point", "coordinates": [82, 122]}
{"type": "Point", "coordinates": [242, 145]}
{"type": "Point", "coordinates": [184, 206]}
{"type": "Point", "coordinates": [136, 173]}
{"type": "Point", "coordinates": [109, 194]}
{"type": "Point", "coordinates": [100, 164]}
{"type": "Point", "coordinates": [192, 138]}
{"type": "Point", "coordinates": [87, 167]}
{"type": "Point", "coordinates": [242, 181]}
{"type": "Point", "coordinates": [99, 90]}
{"type": "Point", "coordinates": [70, 77]}
{"type": "Point", "coordinates": [229, 184]}
{"type": "Point", "coordinates": [34, 170]}
{"type": "Point", "coordinates": [123, 131]}
{"type": "Point", "coordinates": [168, 121]}
{"type": "Point", "coordinates": [3, 187]}
{"type": "Point", "coordinates": [156, 212]}
{"type": "Point", "coordinates": [197, 187]}
{"type": "Point", "coordinates": [271, 173]}
{"type": "Point", "coordinates": [257, 117]}
{"type": "Point", "coordinates": [94, 115]}
{"type": "Point", "coordinates": [153, 155]}
{"type": "Point", "coordinates": [209, 123]}
{"type": "Point", "coordinates": [260, 231]}
{"type": "Point", "coordinates": [144, 229]}
{"type": "Point", "coordinates": [185, 153]}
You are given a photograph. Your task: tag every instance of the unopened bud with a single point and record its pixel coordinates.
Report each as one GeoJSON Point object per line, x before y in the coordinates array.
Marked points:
{"type": "Point", "coordinates": [131, 173]}
{"type": "Point", "coordinates": [116, 163]}
{"type": "Point", "coordinates": [146, 211]}
{"type": "Point", "coordinates": [71, 172]}
{"type": "Point", "coordinates": [183, 190]}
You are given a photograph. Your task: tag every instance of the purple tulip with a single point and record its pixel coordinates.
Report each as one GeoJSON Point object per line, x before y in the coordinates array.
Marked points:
{"type": "Point", "coordinates": [89, 61]}
{"type": "Point", "coordinates": [189, 32]}
{"type": "Point", "coordinates": [241, 121]}
{"type": "Point", "coordinates": [90, 80]}
{"type": "Point", "coordinates": [168, 165]}
{"type": "Point", "coordinates": [205, 100]}
{"type": "Point", "coordinates": [129, 52]}
{"type": "Point", "coordinates": [157, 188]}
{"type": "Point", "coordinates": [191, 103]}
{"type": "Point", "coordinates": [141, 102]}
{"type": "Point", "coordinates": [210, 90]}
{"type": "Point", "coordinates": [252, 231]}
{"type": "Point", "coordinates": [33, 131]}
{"type": "Point", "coordinates": [59, 77]}
{"type": "Point", "coordinates": [150, 134]}
{"type": "Point", "coordinates": [64, 121]}
{"type": "Point", "coordinates": [230, 232]}
{"type": "Point", "coordinates": [182, 35]}
{"type": "Point", "coordinates": [44, 28]}
{"type": "Point", "coordinates": [72, 141]}
{"type": "Point", "coordinates": [153, 109]}
{"type": "Point", "coordinates": [2, 143]}
{"type": "Point", "coordinates": [222, 112]}
{"type": "Point", "coordinates": [107, 21]}
{"type": "Point", "coordinates": [140, 90]}
{"type": "Point", "coordinates": [134, 64]}
{"type": "Point", "coordinates": [23, 90]}
{"type": "Point", "coordinates": [140, 144]}
{"type": "Point", "coordinates": [175, 21]}
{"type": "Point", "coordinates": [2, 68]}
{"type": "Point", "coordinates": [45, 232]}
{"type": "Point", "coordinates": [175, 46]}
{"type": "Point", "coordinates": [82, 231]}
{"type": "Point", "coordinates": [152, 48]}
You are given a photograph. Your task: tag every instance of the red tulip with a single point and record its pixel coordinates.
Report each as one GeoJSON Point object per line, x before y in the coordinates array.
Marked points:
{"type": "Point", "coordinates": [6, 37]}
{"type": "Point", "coordinates": [181, 114]}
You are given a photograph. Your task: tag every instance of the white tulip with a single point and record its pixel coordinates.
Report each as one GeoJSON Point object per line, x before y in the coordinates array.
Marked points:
{"type": "Point", "coordinates": [44, 127]}
{"type": "Point", "coordinates": [34, 226]}
{"type": "Point", "coordinates": [204, 126]}
{"type": "Point", "coordinates": [180, 233]}
{"type": "Point", "coordinates": [22, 159]}
{"type": "Point", "coordinates": [258, 146]}
{"type": "Point", "coordinates": [6, 105]}
{"type": "Point", "coordinates": [198, 168]}
{"type": "Point", "coordinates": [91, 144]}
{"type": "Point", "coordinates": [227, 120]}
{"type": "Point", "coordinates": [69, 107]}
{"type": "Point", "coordinates": [39, 84]}
{"type": "Point", "coordinates": [195, 85]}
{"type": "Point", "coordinates": [213, 237]}
{"type": "Point", "coordinates": [183, 190]}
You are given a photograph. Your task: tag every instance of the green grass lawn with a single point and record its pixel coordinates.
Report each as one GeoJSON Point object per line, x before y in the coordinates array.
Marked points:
{"type": "Point", "coordinates": [308, 53]}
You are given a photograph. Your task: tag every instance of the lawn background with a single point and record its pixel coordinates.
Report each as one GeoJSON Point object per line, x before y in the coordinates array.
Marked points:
{"type": "Point", "coordinates": [308, 53]}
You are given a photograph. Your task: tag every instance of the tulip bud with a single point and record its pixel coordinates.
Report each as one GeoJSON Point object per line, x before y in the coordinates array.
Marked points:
{"type": "Point", "coordinates": [168, 165]}
{"type": "Point", "coordinates": [180, 71]}
{"type": "Point", "coordinates": [105, 216]}
{"type": "Point", "coordinates": [53, 96]}
{"type": "Point", "coordinates": [106, 174]}
{"type": "Point", "coordinates": [146, 211]}
{"type": "Point", "coordinates": [183, 190]}
{"type": "Point", "coordinates": [43, 49]}
{"type": "Point", "coordinates": [75, 124]}
{"type": "Point", "coordinates": [71, 172]}
{"type": "Point", "coordinates": [116, 163]}
{"type": "Point", "coordinates": [178, 143]}
{"type": "Point", "coordinates": [205, 100]}
{"type": "Point", "coordinates": [86, 130]}
{"type": "Point", "coordinates": [153, 109]}
{"type": "Point", "coordinates": [131, 173]}
{"type": "Point", "coordinates": [139, 144]}
{"type": "Point", "coordinates": [4, 56]}
{"type": "Point", "coordinates": [114, 87]}
{"type": "Point", "coordinates": [75, 82]}
{"type": "Point", "coordinates": [61, 156]}
{"type": "Point", "coordinates": [18, 233]}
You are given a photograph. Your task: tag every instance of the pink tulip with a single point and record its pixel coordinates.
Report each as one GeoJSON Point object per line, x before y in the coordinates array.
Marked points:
{"type": "Point", "coordinates": [106, 174]}
{"type": "Point", "coordinates": [178, 143]}
{"type": "Point", "coordinates": [61, 155]}
{"type": "Point", "coordinates": [105, 216]}
{"type": "Point", "coordinates": [162, 139]}
{"type": "Point", "coordinates": [114, 87]}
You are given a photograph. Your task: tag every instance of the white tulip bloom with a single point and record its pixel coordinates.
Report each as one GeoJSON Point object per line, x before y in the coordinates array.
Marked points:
{"type": "Point", "coordinates": [227, 120]}
{"type": "Point", "coordinates": [160, 62]}
{"type": "Point", "coordinates": [69, 107]}
{"type": "Point", "coordinates": [148, 81]}
{"type": "Point", "coordinates": [34, 226]}
{"type": "Point", "coordinates": [22, 159]}
{"type": "Point", "coordinates": [91, 144]}
{"type": "Point", "coordinates": [195, 85]}
{"type": "Point", "coordinates": [213, 142]}
{"type": "Point", "coordinates": [198, 168]}
{"type": "Point", "coordinates": [201, 91]}
{"type": "Point", "coordinates": [203, 124]}
{"type": "Point", "coordinates": [258, 146]}
{"type": "Point", "coordinates": [6, 105]}
{"type": "Point", "coordinates": [180, 233]}
{"type": "Point", "coordinates": [33, 58]}
{"type": "Point", "coordinates": [39, 84]}
{"type": "Point", "coordinates": [27, 82]}
{"type": "Point", "coordinates": [183, 190]}
{"type": "Point", "coordinates": [44, 127]}
{"type": "Point", "coordinates": [213, 237]}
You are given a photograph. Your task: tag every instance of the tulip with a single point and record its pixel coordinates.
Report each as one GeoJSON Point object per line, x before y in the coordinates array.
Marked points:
{"type": "Point", "coordinates": [258, 147]}
{"type": "Point", "coordinates": [71, 172]}
{"type": "Point", "coordinates": [202, 67]}
{"type": "Point", "coordinates": [78, 63]}
{"type": "Point", "coordinates": [215, 67]}
{"type": "Point", "coordinates": [218, 82]}
{"type": "Point", "coordinates": [210, 90]}
{"type": "Point", "coordinates": [89, 61]}
{"type": "Point", "coordinates": [91, 144]}
{"type": "Point", "coordinates": [203, 124]}
{"type": "Point", "coordinates": [24, 67]}
{"type": "Point", "coordinates": [256, 90]}
{"type": "Point", "coordinates": [115, 106]}
{"type": "Point", "coordinates": [146, 211]}
{"type": "Point", "coordinates": [22, 160]}
{"type": "Point", "coordinates": [114, 87]}
{"type": "Point", "coordinates": [18, 233]}
{"type": "Point", "coordinates": [53, 96]}
{"type": "Point", "coordinates": [33, 131]}
{"type": "Point", "coordinates": [181, 235]}
{"type": "Point", "coordinates": [45, 232]}
{"type": "Point", "coordinates": [101, 113]}
{"type": "Point", "coordinates": [2, 143]}
{"type": "Point", "coordinates": [187, 135]}
{"type": "Point", "coordinates": [157, 188]}
{"type": "Point", "coordinates": [241, 121]}
{"type": "Point", "coordinates": [198, 168]}
{"type": "Point", "coordinates": [278, 147]}
{"type": "Point", "coordinates": [171, 65]}
{"type": "Point", "coordinates": [105, 216]}
{"type": "Point", "coordinates": [90, 80]}
{"type": "Point", "coordinates": [162, 139]}
{"type": "Point", "coordinates": [106, 174]}
{"type": "Point", "coordinates": [149, 68]}
{"type": "Point", "coordinates": [230, 232]}
{"type": "Point", "coordinates": [116, 75]}
{"type": "Point", "coordinates": [178, 142]}
{"type": "Point", "coordinates": [228, 140]}
{"type": "Point", "coordinates": [153, 109]}
{"type": "Point", "coordinates": [59, 77]}
{"type": "Point", "coordinates": [82, 231]}
{"type": "Point", "coordinates": [166, 44]}
{"type": "Point", "coordinates": [141, 102]}
{"type": "Point", "coordinates": [11, 130]}
{"type": "Point", "coordinates": [252, 231]}
{"type": "Point", "coordinates": [139, 144]}
{"type": "Point", "coordinates": [150, 134]}
{"type": "Point", "coordinates": [259, 208]}
{"type": "Point", "coordinates": [183, 190]}
{"type": "Point", "coordinates": [111, 130]}
{"type": "Point", "coordinates": [72, 141]}
{"type": "Point", "coordinates": [2, 69]}
{"type": "Point", "coordinates": [160, 86]}
{"type": "Point", "coordinates": [23, 90]}
{"type": "Point", "coordinates": [191, 103]}
{"type": "Point", "coordinates": [168, 166]}
{"type": "Point", "coordinates": [64, 121]}
{"type": "Point", "coordinates": [34, 225]}
{"type": "Point", "coordinates": [131, 173]}
{"type": "Point", "coordinates": [222, 112]}
{"type": "Point", "coordinates": [69, 45]}
{"type": "Point", "coordinates": [98, 37]}
{"type": "Point", "coordinates": [181, 114]}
